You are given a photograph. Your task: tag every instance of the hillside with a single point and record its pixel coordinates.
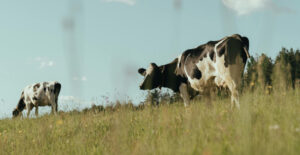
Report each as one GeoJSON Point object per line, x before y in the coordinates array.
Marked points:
{"type": "Point", "coordinates": [265, 124]}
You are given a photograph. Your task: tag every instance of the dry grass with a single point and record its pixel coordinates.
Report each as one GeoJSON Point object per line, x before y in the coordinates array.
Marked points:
{"type": "Point", "coordinates": [265, 124]}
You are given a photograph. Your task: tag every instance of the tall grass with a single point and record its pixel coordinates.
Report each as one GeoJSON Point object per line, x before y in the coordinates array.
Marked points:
{"type": "Point", "coordinates": [265, 124]}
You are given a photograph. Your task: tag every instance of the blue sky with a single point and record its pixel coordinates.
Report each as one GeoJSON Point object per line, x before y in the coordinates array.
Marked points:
{"type": "Point", "coordinates": [95, 47]}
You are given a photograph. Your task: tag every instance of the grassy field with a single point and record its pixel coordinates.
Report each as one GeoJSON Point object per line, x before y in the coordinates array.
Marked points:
{"type": "Point", "coordinates": [265, 124]}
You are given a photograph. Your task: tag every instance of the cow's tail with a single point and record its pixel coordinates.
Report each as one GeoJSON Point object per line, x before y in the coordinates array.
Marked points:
{"type": "Point", "coordinates": [20, 107]}
{"type": "Point", "coordinates": [245, 41]}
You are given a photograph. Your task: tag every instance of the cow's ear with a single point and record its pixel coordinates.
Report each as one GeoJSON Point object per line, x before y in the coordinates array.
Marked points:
{"type": "Point", "coordinates": [142, 71]}
{"type": "Point", "coordinates": [153, 65]}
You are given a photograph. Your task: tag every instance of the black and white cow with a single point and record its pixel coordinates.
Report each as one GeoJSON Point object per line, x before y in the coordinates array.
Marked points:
{"type": "Point", "coordinates": [217, 63]}
{"type": "Point", "coordinates": [39, 94]}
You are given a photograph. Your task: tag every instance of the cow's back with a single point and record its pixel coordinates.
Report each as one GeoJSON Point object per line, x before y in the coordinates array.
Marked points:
{"type": "Point", "coordinates": [197, 65]}
{"type": "Point", "coordinates": [215, 62]}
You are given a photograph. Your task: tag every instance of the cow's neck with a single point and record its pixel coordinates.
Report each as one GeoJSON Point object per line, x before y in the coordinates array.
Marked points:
{"type": "Point", "coordinates": [169, 79]}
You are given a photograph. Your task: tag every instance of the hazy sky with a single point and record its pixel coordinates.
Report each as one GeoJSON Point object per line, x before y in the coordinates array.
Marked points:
{"type": "Point", "coordinates": [95, 47]}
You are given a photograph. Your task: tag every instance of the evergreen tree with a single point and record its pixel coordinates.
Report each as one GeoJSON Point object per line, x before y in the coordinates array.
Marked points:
{"type": "Point", "coordinates": [265, 69]}
{"type": "Point", "coordinates": [282, 76]}
{"type": "Point", "coordinates": [251, 72]}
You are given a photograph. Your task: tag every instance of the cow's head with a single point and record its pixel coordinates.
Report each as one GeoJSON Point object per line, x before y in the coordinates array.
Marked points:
{"type": "Point", "coordinates": [15, 113]}
{"type": "Point", "coordinates": [152, 77]}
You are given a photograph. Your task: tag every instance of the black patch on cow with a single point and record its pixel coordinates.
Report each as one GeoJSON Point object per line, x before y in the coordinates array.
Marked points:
{"type": "Point", "coordinates": [190, 66]}
{"type": "Point", "coordinates": [20, 107]}
{"type": "Point", "coordinates": [212, 43]}
{"type": "Point", "coordinates": [152, 80]}
{"type": "Point", "coordinates": [21, 104]}
{"type": "Point", "coordinates": [36, 86]}
{"type": "Point", "coordinates": [212, 56]}
{"type": "Point", "coordinates": [245, 41]}
{"type": "Point", "coordinates": [15, 113]}
{"type": "Point", "coordinates": [234, 49]}
{"type": "Point", "coordinates": [57, 88]}
{"type": "Point", "coordinates": [221, 51]}
{"type": "Point", "coordinates": [196, 73]}
{"type": "Point", "coordinates": [35, 98]}
{"type": "Point", "coordinates": [244, 56]}
{"type": "Point", "coordinates": [142, 71]}
{"type": "Point", "coordinates": [45, 89]}
{"type": "Point", "coordinates": [196, 54]}
{"type": "Point", "coordinates": [171, 76]}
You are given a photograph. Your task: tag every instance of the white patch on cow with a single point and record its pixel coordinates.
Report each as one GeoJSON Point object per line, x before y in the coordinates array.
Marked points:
{"type": "Point", "coordinates": [149, 70]}
{"type": "Point", "coordinates": [219, 66]}
{"type": "Point", "coordinates": [209, 69]}
{"type": "Point", "coordinates": [216, 46]}
{"type": "Point", "coordinates": [179, 59]}
{"type": "Point", "coordinates": [220, 71]}
{"type": "Point", "coordinates": [193, 82]}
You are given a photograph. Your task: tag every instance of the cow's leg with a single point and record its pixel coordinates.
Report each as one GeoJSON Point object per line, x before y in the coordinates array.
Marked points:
{"type": "Point", "coordinates": [56, 102]}
{"type": "Point", "coordinates": [234, 79]}
{"type": "Point", "coordinates": [234, 94]}
{"type": "Point", "coordinates": [29, 108]}
{"type": "Point", "coordinates": [54, 108]}
{"type": "Point", "coordinates": [236, 98]}
{"type": "Point", "coordinates": [36, 111]}
{"type": "Point", "coordinates": [183, 88]}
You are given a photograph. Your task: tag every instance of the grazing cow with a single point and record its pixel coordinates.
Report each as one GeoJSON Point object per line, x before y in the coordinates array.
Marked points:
{"type": "Point", "coordinates": [39, 94]}
{"type": "Point", "coordinates": [217, 63]}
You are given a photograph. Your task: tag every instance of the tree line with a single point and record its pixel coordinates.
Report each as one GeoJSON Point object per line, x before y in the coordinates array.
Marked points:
{"type": "Point", "coordinates": [282, 73]}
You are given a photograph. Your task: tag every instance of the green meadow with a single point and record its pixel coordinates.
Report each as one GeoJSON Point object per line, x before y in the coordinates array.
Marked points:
{"type": "Point", "coordinates": [265, 124]}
